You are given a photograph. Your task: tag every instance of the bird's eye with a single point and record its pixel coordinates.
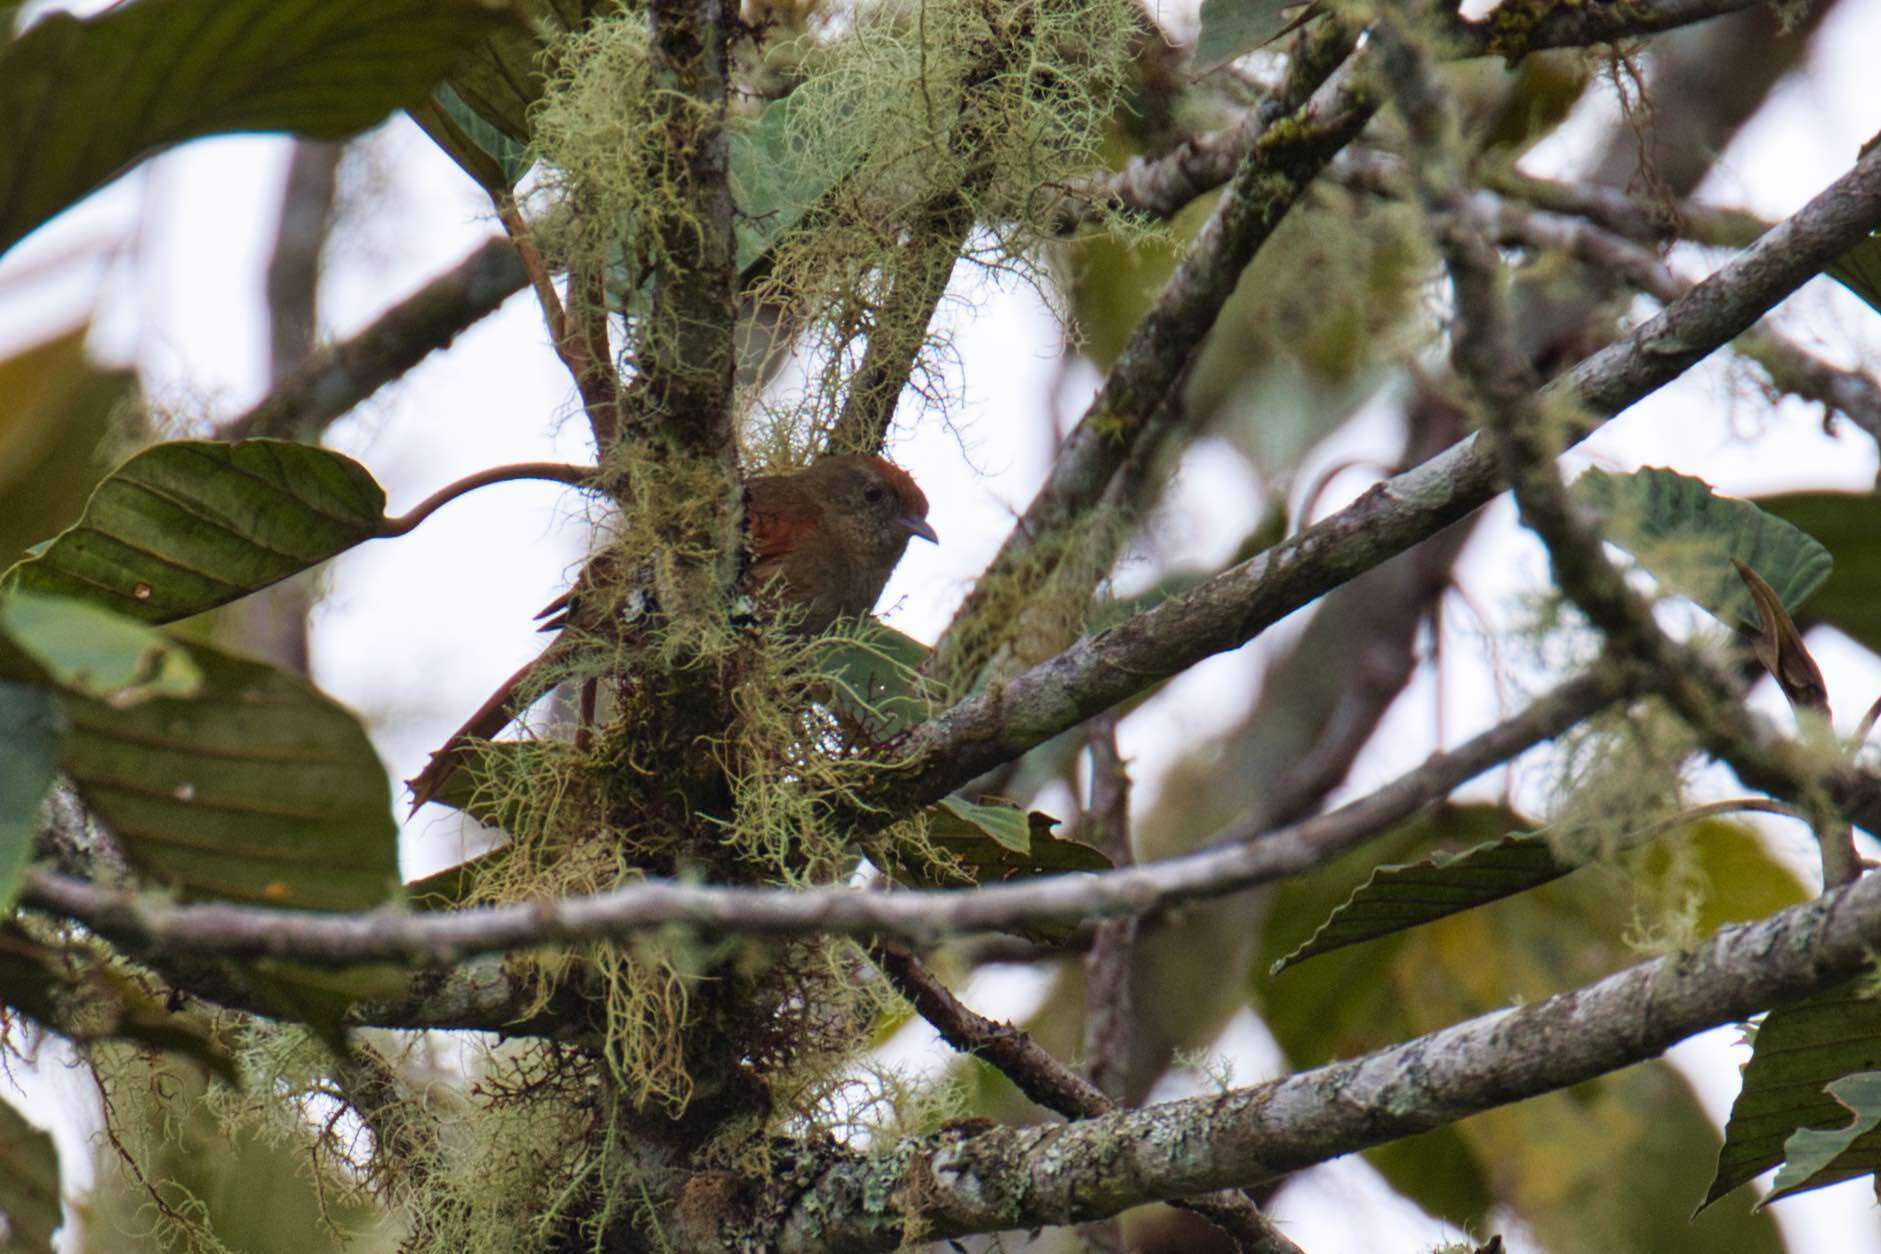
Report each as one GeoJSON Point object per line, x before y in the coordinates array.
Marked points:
{"type": "Point", "coordinates": [874, 494]}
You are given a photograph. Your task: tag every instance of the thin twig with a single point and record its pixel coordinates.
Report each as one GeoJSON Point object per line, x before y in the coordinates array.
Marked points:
{"type": "Point", "coordinates": [510, 215]}
{"type": "Point", "coordinates": [1108, 1010]}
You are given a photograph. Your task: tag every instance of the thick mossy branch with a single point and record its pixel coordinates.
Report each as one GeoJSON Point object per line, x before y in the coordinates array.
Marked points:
{"type": "Point", "coordinates": [683, 352]}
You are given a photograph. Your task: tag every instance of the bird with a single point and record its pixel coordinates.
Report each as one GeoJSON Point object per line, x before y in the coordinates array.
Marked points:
{"type": "Point", "coordinates": [821, 543]}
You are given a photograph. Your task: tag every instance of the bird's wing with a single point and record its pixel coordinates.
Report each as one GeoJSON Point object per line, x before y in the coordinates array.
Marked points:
{"type": "Point", "coordinates": [778, 518]}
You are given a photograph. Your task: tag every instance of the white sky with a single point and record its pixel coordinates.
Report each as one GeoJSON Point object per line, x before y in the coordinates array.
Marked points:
{"type": "Point", "coordinates": [414, 632]}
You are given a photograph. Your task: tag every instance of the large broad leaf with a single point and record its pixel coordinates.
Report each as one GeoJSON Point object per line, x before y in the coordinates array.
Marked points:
{"type": "Point", "coordinates": [29, 738]}
{"type": "Point", "coordinates": [1687, 536]}
{"type": "Point", "coordinates": [80, 99]}
{"type": "Point", "coordinates": [259, 789]}
{"type": "Point", "coordinates": [78, 647]}
{"type": "Point", "coordinates": [55, 410]}
{"type": "Point", "coordinates": [1798, 1052]}
{"type": "Point", "coordinates": [1849, 524]}
{"type": "Point", "coordinates": [1817, 1157]}
{"type": "Point", "coordinates": [189, 525]}
{"type": "Point", "coordinates": [1232, 27]}
{"type": "Point", "coordinates": [29, 1184]}
{"type": "Point", "coordinates": [1859, 270]}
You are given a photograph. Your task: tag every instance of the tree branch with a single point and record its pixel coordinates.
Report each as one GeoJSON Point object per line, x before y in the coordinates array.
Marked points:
{"type": "Point", "coordinates": [685, 351]}
{"type": "Point", "coordinates": [1277, 170]}
{"type": "Point", "coordinates": [145, 924]}
{"type": "Point", "coordinates": [1051, 1084]}
{"type": "Point", "coordinates": [1235, 606]}
{"type": "Point", "coordinates": [1003, 1178]}
{"type": "Point", "coordinates": [333, 380]}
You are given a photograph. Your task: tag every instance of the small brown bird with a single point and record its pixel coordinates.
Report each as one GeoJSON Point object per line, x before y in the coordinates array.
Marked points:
{"type": "Point", "coordinates": [831, 535]}
{"type": "Point", "coordinates": [822, 541]}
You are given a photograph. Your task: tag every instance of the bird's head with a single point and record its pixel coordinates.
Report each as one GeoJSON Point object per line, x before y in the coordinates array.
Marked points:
{"type": "Point", "coordinates": [879, 497]}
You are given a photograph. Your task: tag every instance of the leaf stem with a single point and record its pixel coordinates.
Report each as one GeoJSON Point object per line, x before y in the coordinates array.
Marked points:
{"type": "Point", "coordinates": [559, 472]}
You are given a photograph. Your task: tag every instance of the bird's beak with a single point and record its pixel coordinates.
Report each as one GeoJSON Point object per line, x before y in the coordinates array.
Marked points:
{"type": "Point", "coordinates": [919, 527]}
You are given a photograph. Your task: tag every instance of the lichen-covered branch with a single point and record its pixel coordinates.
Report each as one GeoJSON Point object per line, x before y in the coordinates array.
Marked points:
{"type": "Point", "coordinates": [1276, 172]}
{"type": "Point", "coordinates": [147, 925]}
{"type": "Point", "coordinates": [1484, 353]}
{"type": "Point", "coordinates": [1235, 606]}
{"type": "Point", "coordinates": [685, 353]}
{"type": "Point", "coordinates": [1002, 1178]}
{"type": "Point", "coordinates": [333, 380]}
{"type": "Point", "coordinates": [1512, 31]}
{"type": "Point", "coordinates": [1050, 1083]}
{"type": "Point", "coordinates": [1163, 186]}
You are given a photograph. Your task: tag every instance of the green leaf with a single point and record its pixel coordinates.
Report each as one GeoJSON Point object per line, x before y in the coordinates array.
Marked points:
{"type": "Point", "coordinates": [496, 159]}
{"type": "Point", "coordinates": [189, 525]}
{"type": "Point", "coordinates": [1798, 1052]}
{"type": "Point", "coordinates": [29, 1184]}
{"type": "Point", "coordinates": [480, 114]}
{"type": "Point", "coordinates": [450, 889]}
{"type": "Point", "coordinates": [91, 651]}
{"type": "Point", "coordinates": [1859, 270]}
{"type": "Point", "coordinates": [1686, 536]}
{"type": "Point", "coordinates": [81, 99]}
{"type": "Point", "coordinates": [1849, 523]}
{"type": "Point", "coordinates": [1006, 823]}
{"type": "Point", "coordinates": [1232, 27]}
{"type": "Point", "coordinates": [29, 732]}
{"type": "Point", "coordinates": [775, 177]}
{"type": "Point", "coordinates": [1814, 1158]}
{"type": "Point", "coordinates": [875, 678]}
{"type": "Point", "coordinates": [1045, 854]}
{"type": "Point", "coordinates": [1398, 897]}
{"type": "Point", "coordinates": [56, 408]}
{"type": "Point", "coordinates": [977, 856]}
{"type": "Point", "coordinates": [1395, 898]}
{"type": "Point", "coordinates": [259, 789]}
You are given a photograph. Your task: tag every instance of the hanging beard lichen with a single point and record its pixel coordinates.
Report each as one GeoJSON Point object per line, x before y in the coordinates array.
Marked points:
{"type": "Point", "coordinates": [912, 135]}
